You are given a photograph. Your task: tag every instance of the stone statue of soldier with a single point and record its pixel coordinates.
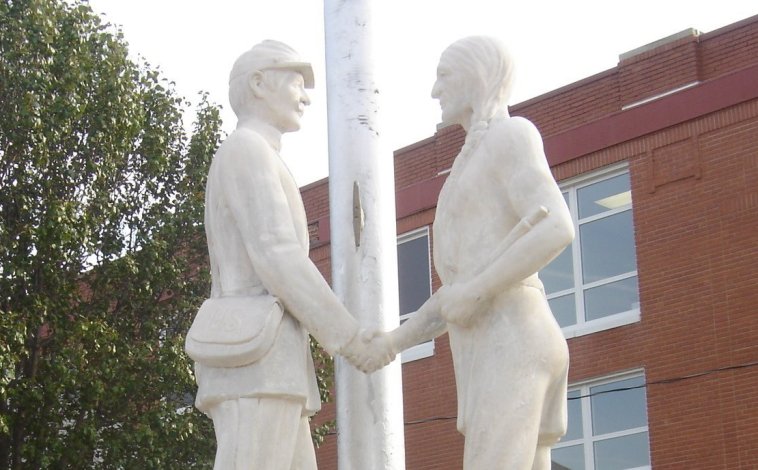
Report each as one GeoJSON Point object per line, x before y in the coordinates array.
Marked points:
{"type": "Point", "coordinates": [254, 370]}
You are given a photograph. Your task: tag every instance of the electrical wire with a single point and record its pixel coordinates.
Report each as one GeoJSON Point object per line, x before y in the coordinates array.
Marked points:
{"type": "Point", "coordinates": [613, 390]}
{"type": "Point", "coordinates": [669, 381]}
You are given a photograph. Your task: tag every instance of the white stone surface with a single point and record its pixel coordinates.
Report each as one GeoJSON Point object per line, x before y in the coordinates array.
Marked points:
{"type": "Point", "coordinates": [258, 243]}
{"type": "Point", "coordinates": [500, 219]}
{"type": "Point", "coordinates": [364, 261]}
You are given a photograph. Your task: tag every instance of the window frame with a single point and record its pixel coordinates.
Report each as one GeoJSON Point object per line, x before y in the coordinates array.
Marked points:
{"type": "Point", "coordinates": [582, 327]}
{"type": "Point", "coordinates": [425, 349]}
{"type": "Point", "coordinates": [588, 439]}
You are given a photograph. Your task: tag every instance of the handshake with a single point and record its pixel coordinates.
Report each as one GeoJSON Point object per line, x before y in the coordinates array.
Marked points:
{"type": "Point", "coordinates": [370, 350]}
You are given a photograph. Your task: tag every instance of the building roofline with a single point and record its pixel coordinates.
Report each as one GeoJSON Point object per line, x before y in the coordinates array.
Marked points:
{"type": "Point", "coordinates": [688, 33]}
{"type": "Point", "coordinates": [687, 104]}
{"type": "Point", "coordinates": [729, 28]}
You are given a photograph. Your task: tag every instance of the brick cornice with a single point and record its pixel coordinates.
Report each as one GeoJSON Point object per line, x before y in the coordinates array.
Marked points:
{"type": "Point", "coordinates": [685, 105]}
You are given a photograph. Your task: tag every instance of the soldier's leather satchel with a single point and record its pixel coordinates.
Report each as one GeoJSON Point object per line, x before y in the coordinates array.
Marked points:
{"type": "Point", "coordinates": [234, 331]}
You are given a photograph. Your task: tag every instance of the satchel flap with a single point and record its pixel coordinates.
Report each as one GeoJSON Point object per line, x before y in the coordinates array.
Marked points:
{"type": "Point", "coordinates": [233, 320]}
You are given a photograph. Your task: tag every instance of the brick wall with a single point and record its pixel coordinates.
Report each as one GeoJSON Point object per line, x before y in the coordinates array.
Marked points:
{"type": "Point", "coordinates": [696, 218]}
{"type": "Point", "coordinates": [698, 253]}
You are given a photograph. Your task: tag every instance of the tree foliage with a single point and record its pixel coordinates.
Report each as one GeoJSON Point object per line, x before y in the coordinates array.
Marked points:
{"type": "Point", "coordinates": [102, 252]}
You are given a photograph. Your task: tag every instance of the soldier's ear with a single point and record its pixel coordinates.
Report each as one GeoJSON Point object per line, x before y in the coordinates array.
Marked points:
{"type": "Point", "coordinates": [257, 84]}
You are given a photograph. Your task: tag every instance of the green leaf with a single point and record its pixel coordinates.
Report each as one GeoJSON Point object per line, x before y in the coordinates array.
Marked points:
{"type": "Point", "coordinates": [99, 185]}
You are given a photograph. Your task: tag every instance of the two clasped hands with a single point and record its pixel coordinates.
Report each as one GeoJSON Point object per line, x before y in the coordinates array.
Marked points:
{"type": "Point", "coordinates": [370, 350]}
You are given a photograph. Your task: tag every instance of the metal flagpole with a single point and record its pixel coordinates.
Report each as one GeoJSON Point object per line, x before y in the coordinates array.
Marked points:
{"type": "Point", "coordinates": [363, 238]}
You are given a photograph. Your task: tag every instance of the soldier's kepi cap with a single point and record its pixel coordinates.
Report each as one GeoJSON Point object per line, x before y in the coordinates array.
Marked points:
{"type": "Point", "coordinates": [269, 55]}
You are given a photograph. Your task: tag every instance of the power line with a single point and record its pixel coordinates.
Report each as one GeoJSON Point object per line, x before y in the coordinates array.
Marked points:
{"type": "Point", "coordinates": [613, 390]}
{"type": "Point", "coordinates": [669, 381]}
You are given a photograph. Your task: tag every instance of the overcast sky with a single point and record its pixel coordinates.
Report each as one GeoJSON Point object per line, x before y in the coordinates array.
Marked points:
{"type": "Point", "coordinates": [554, 43]}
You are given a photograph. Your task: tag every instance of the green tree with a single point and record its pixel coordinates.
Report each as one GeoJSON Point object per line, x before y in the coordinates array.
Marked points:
{"type": "Point", "coordinates": [102, 251]}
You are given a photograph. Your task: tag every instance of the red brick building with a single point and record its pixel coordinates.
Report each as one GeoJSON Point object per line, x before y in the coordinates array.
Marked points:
{"type": "Point", "coordinates": [657, 296]}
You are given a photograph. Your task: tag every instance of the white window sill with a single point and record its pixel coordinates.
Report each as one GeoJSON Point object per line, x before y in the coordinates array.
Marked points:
{"type": "Point", "coordinates": [417, 352]}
